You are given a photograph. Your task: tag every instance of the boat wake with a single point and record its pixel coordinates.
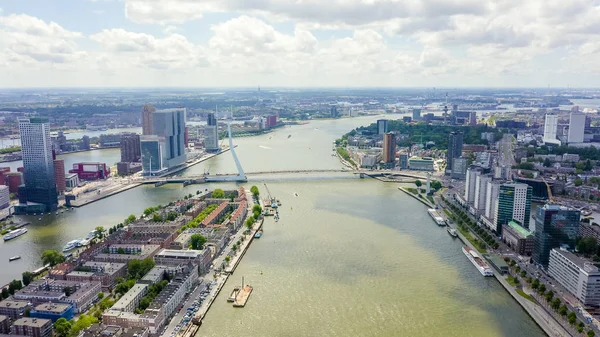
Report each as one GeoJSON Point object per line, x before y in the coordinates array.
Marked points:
{"type": "Point", "coordinates": [264, 147]}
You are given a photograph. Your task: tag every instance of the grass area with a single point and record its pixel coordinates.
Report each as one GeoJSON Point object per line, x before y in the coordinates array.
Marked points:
{"type": "Point", "coordinates": [430, 198]}
{"type": "Point", "coordinates": [344, 154]}
{"type": "Point", "coordinates": [522, 293]}
{"type": "Point", "coordinates": [511, 281]}
{"type": "Point", "coordinates": [412, 190]}
{"type": "Point", "coordinates": [471, 239]}
{"type": "Point", "coordinates": [448, 213]}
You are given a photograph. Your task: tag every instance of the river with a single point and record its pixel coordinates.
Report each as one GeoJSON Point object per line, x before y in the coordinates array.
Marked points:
{"type": "Point", "coordinates": [349, 257]}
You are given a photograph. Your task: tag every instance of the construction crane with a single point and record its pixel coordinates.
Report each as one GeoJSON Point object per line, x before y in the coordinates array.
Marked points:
{"type": "Point", "coordinates": [273, 201]}
{"type": "Point", "coordinates": [549, 190]}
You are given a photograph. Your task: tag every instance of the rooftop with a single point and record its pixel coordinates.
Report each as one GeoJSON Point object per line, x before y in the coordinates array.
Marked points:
{"type": "Point", "coordinates": [129, 296]}
{"type": "Point", "coordinates": [32, 322]}
{"type": "Point", "coordinates": [53, 307]}
{"type": "Point", "coordinates": [179, 254]}
{"type": "Point", "coordinates": [581, 263]}
{"type": "Point", "coordinates": [13, 304]}
{"type": "Point", "coordinates": [524, 232]}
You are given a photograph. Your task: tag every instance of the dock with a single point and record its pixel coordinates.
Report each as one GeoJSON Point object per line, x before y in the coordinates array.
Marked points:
{"type": "Point", "coordinates": [242, 297]}
{"type": "Point", "coordinates": [233, 294]}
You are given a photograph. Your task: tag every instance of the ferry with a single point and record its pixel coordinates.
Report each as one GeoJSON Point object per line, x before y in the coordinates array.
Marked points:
{"type": "Point", "coordinates": [436, 217]}
{"type": "Point", "coordinates": [13, 234]}
{"type": "Point", "coordinates": [477, 261]}
{"type": "Point", "coordinates": [452, 232]}
{"type": "Point", "coordinates": [70, 245]}
{"type": "Point", "coordinates": [16, 257]}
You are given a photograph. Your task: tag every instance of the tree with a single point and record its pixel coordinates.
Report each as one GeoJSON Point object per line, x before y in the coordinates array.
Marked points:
{"type": "Point", "coordinates": [120, 251]}
{"type": "Point", "coordinates": [535, 284]}
{"type": "Point", "coordinates": [131, 218]}
{"type": "Point", "coordinates": [549, 295]}
{"type": "Point", "coordinates": [5, 293]}
{"type": "Point", "coordinates": [254, 191]}
{"type": "Point", "coordinates": [99, 232]}
{"type": "Point", "coordinates": [27, 278]}
{"type": "Point", "coordinates": [542, 288]}
{"type": "Point", "coordinates": [67, 291]}
{"type": "Point", "coordinates": [172, 216]}
{"type": "Point", "coordinates": [578, 182]}
{"type": "Point", "coordinates": [218, 194]}
{"type": "Point", "coordinates": [547, 162]}
{"type": "Point", "coordinates": [591, 333]}
{"type": "Point", "coordinates": [572, 318]}
{"type": "Point", "coordinates": [256, 208]}
{"type": "Point", "coordinates": [418, 183]}
{"type": "Point", "coordinates": [587, 245]}
{"type": "Point", "coordinates": [100, 295]}
{"type": "Point", "coordinates": [157, 217]}
{"type": "Point", "coordinates": [52, 257]}
{"type": "Point", "coordinates": [555, 304]}
{"type": "Point", "coordinates": [580, 327]}
{"type": "Point", "coordinates": [62, 327]}
{"type": "Point", "coordinates": [14, 285]}
{"type": "Point", "coordinates": [523, 273]}
{"type": "Point", "coordinates": [563, 310]}
{"type": "Point", "coordinates": [197, 241]}
{"type": "Point", "coordinates": [144, 303]}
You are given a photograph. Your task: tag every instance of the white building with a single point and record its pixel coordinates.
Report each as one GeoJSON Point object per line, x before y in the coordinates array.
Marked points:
{"type": "Point", "coordinates": [580, 277]}
{"type": "Point", "coordinates": [4, 197]}
{"type": "Point", "coordinates": [550, 128]}
{"type": "Point", "coordinates": [211, 134]}
{"type": "Point", "coordinates": [576, 128]}
{"type": "Point", "coordinates": [481, 182]}
{"type": "Point", "coordinates": [491, 199]}
{"type": "Point", "coordinates": [470, 184]}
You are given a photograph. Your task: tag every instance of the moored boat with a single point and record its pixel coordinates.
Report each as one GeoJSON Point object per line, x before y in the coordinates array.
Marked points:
{"type": "Point", "coordinates": [436, 217]}
{"type": "Point", "coordinates": [70, 245]}
{"type": "Point", "coordinates": [452, 232]}
{"type": "Point", "coordinates": [15, 233]}
{"type": "Point", "coordinates": [477, 261]}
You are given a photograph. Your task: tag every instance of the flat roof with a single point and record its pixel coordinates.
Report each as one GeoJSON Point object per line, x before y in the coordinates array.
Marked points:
{"type": "Point", "coordinates": [53, 307]}
{"type": "Point", "coordinates": [581, 263]}
{"type": "Point", "coordinates": [179, 253]}
{"type": "Point", "coordinates": [13, 304]}
{"type": "Point", "coordinates": [33, 322]}
{"type": "Point", "coordinates": [129, 296]}
{"type": "Point", "coordinates": [524, 232]}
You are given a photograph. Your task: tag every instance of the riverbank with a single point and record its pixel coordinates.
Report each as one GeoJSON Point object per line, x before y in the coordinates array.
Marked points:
{"type": "Point", "coordinates": [425, 202]}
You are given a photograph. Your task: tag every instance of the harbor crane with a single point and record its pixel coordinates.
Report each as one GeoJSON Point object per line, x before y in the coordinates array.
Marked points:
{"type": "Point", "coordinates": [273, 201]}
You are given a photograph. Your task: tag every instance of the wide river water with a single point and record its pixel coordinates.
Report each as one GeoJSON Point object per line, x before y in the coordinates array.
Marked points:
{"type": "Point", "coordinates": [349, 257]}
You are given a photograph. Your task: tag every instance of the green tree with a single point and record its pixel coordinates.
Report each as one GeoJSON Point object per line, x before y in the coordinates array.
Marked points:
{"type": "Point", "coordinates": [549, 295]}
{"type": "Point", "coordinates": [587, 245]}
{"type": "Point", "coordinates": [131, 218]}
{"type": "Point", "coordinates": [197, 241]}
{"type": "Point", "coordinates": [547, 162]}
{"type": "Point", "coordinates": [14, 285]}
{"type": "Point", "coordinates": [542, 288]}
{"type": "Point", "coordinates": [52, 257]}
{"type": "Point", "coordinates": [218, 194]}
{"type": "Point", "coordinates": [256, 208]}
{"type": "Point", "coordinates": [99, 232]}
{"type": "Point", "coordinates": [138, 268]}
{"type": "Point", "coordinates": [523, 273]}
{"type": "Point", "coordinates": [563, 310]}
{"type": "Point", "coordinates": [82, 323]}
{"type": "Point", "coordinates": [254, 191]}
{"type": "Point", "coordinates": [100, 295]}
{"type": "Point", "coordinates": [120, 251]}
{"type": "Point", "coordinates": [555, 304]}
{"type": "Point", "coordinates": [535, 284]}
{"type": "Point", "coordinates": [157, 217]}
{"type": "Point", "coordinates": [144, 303]}
{"type": "Point", "coordinates": [572, 318]}
{"type": "Point", "coordinates": [591, 333]}
{"type": "Point", "coordinates": [418, 183]}
{"type": "Point", "coordinates": [62, 327]}
{"type": "Point", "coordinates": [578, 182]}
{"type": "Point", "coordinates": [580, 327]}
{"type": "Point", "coordinates": [27, 278]}
{"type": "Point", "coordinates": [172, 216]}
{"type": "Point", "coordinates": [5, 293]}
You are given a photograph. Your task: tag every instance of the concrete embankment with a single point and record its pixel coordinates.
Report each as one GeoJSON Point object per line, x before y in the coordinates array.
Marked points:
{"type": "Point", "coordinates": [427, 203]}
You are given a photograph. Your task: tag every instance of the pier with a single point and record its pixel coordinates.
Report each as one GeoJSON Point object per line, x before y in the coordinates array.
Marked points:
{"type": "Point", "coordinates": [242, 297]}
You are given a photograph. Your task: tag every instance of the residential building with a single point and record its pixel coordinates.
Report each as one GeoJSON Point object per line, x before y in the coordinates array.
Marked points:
{"type": "Point", "coordinates": [389, 147]}
{"type": "Point", "coordinates": [216, 214]}
{"type": "Point", "coordinates": [82, 294]}
{"type": "Point", "coordinates": [489, 136]}
{"type": "Point", "coordinates": [514, 203]}
{"type": "Point", "coordinates": [491, 199]}
{"type": "Point", "coordinates": [52, 311]}
{"type": "Point", "coordinates": [455, 145]}
{"type": "Point", "coordinates": [130, 300]}
{"type": "Point", "coordinates": [130, 148]}
{"type": "Point", "coordinates": [169, 124]}
{"type": "Point", "coordinates": [518, 238]}
{"type": "Point", "coordinates": [550, 129]}
{"type": "Point", "coordinates": [580, 277]}
{"type": "Point", "coordinates": [481, 182]}
{"type": "Point", "coordinates": [459, 168]}
{"type": "Point", "coordinates": [32, 327]}
{"type": "Point", "coordinates": [587, 230]}
{"type": "Point", "coordinates": [470, 184]}
{"type": "Point", "coordinates": [14, 309]}
{"type": "Point", "coordinates": [104, 272]}
{"type": "Point", "coordinates": [211, 133]}
{"type": "Point", "coordinates": [421, 163]}
{"type": "Point", "coordinates": [153, 155]}
{"type": "Point", "coordinates": [201, 258]}
{"type": "Point", "coordinates": [403, 161]}
{"type": "Point", "coordinates": [382, 126]}
{"type": "Point", "coordinates": [59, 176]}
{"type": "Point", "coordinates": [148, 120]}
{"type": "Point", "coordinates": [4, 325]}
{"type": "Point", "coordinates": [576, 128]}
{"type": "Point", "coordinates": [38, 163]}
{"type": "Point", "coordinates": [90, 171]}
{"type": "Point", "coordinates": [555, 226]}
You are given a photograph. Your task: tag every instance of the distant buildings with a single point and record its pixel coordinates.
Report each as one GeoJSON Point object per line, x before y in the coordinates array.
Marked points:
{"type": "Point", "coordinates": [416, 115]}
{"type": "Point", "coordinates": [334, 112]}
{"type": "Point", "coordinates": [38, 164]}
{"type": "Point", "coordinates": [421, 163]}
{"type": "Point", "coordinates": [211, 134]}
{"type": "Point", "coordinates": [550, 129]}
{"type": "Point", "coordinates": [580, 277]}
{"type": "Point", "coordinates": [169, 124]}
{"type": "Point", "coordinates": [130, 148]}
{"type": "Point", "coordinates": [555, 226]}
{"type": "Point", "coordinates": [148, 120]}
{"type": "Point", "coordinates": [455, 145]}
{"type": "Point", "coordinates": [59, 175]}
{"type": "Point", "coordinates": [514, 203]}
{"type": "Point", "coordinates": [576, 128]}
{"type": "Point", "coordinates": [382, 126]}
{"type": "Point", "coordinates": [389, 147]}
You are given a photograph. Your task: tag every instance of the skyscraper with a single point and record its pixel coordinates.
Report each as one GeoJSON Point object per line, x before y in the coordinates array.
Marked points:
{"type": "Point", "coordinates": [130, 148]}
{"type": "Point", "coordinates": [455, 145]}
{"type": "Point", "coordinates": [576, 127]}
{"type": "Point", "coordinates": [550, 127]}
{"type": "Point", "coordinates": [416, 115]}
{"type": "Point", "coordinates": [38, 163]}
{"type": "Point", "coordinates": [382, 126]}
{"type": "Point", "coordinates": [148, 120]}
{"type": "Point", "coordinates": [169, 124]}
{"type": "Point", "coordinates": [153, 155]}
{"type": "Point", "coordinates": [59, 176]}
{"type": "Point", "coordinates": [211, 133]}
{"type": "Point", "coordinates": [481, 182]}
{"type": "Point", "coordinates": [389, 147]}
{"type": "Point", "coordinates": [554, 226]}
{"type": "Point", "coordinates": [514, 203]}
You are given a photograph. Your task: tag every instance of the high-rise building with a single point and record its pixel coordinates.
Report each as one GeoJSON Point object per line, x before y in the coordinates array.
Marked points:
{"type": "Point", "coordinates": [152, 148]}
{"type": "Point", "coordinates": [382, 126]}
{"type": "Point", "coordinates": [514, 203]}
{"type": "Point", "coordinates": [576, 128]}
{"type": "Point", "coordinates": [471, 178]}
{"type": "Point", "coordinates": [550, 128]}
{"type": "Point", "coordinates": [389, 147]}
{"type": "Point", "coordinates": [59, 176]}
{"type": "Point", "coordinates": [85, 143]}
{"type": "Point", "coordinates": [455, 145]}
{"type": "Point", "coordinates": [416, 115]}
{"type": "Point", "coordinates": [170, 125]}
{"type": "Point", "coordinates": [37, 162]}
{"type": "Point", "coordinates": [481, 182]}
{"type": "Point", "coordinates": [580, 277]}
{"type": "Point", "coordinates": [403, 161]}
{"type": "Point", "coordinates": [334, 112]}
{"type": "Point", "coordinates": [491, 199]}
{"type": "Point", "coordinates": [555, 226]}
{"type": "Point", "coordinates": [211, 133]}
{"type": "Point", "coordinates": [130, 148]}
{"type": "Point", "coordinates": [148, 120]}
{"type": "Point", "coordinates": [459, 168]}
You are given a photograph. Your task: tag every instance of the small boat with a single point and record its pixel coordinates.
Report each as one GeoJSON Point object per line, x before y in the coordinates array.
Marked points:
{"type": "Point", "coordinates": [452, 232]}
{"type": "Point", "coordinates": [40, 219]}
{"type": "Point", "coordinates": [289, 136]}
{"type": "Point", "coordinates": [16, 257]}
{"type": "Point", "coordinates": [56, 212]}
{"type": "Point", "coordinates": [258, 234]}
{"type": "Point", "coordinates": [295, 194]}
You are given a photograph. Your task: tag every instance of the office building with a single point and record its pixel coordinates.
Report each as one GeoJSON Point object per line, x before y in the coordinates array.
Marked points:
{"type": "Point", "coordinates": [481, 182]}
{"type": "Point", "coordinates": [459, 168]}
{"type": "Point", "coordinates": [455, 145]}
{"type": "Point", "coordinates": [148, 120]}
{"type": "Point", "coordinates": [59, 175]}
{"type": "Point", "coordinates": [52, 311]}
{"type": "Point", "coordinates": [211, 133]}
{"type": "Point", "coordinates": [416, 115]}
{"type": "Point", "coordinates": [382, 126]}
{"type": "Point", "coordinates": [4, 197]}
{"type": "Point", "coordinates": [130, 148]}
{"type": "Point", "coordinates": [555, 226]}
{"type": "Point", "coordinates": [169, 124]}
{"type": "Point", "coordinates": [389, 147]}
{"type": "Point", "coordinates": [403, 161]}
{"type": "Point", "coordinates": [518, 238]}
{"type": "Point", "coordinates": [14, 309]}
{"type": "Point", "coordinates": [471, 177]}
{"type": "Point", "coordinates": [514, 203]}
{"type": "Point", "coordinates": [421, 163]}
{"type": "Point", "coordinates": [580, 277]}
{"type": "Point", "coordinates": [32, 327]}
{"type": "Point", "coordinates": [38, 163]}
{"type": "Point", "coordinates": [550, 129]}
{"type": "Point", "coordinates": [576, 128]}
{"type": "Point", "coordinates": [152, 150]}
{"type": "Point", "coordinates": [109, 140]}
{"type": "Point", "coordinates": [334, 112]}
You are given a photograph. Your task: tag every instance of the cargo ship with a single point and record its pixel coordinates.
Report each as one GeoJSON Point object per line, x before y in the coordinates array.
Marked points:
{"type": "Point", "coordinates": [477, 261]}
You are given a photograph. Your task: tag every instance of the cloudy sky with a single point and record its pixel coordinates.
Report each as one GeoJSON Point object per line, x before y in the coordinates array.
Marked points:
{"type": "Point", "coordinates": [346, 43]}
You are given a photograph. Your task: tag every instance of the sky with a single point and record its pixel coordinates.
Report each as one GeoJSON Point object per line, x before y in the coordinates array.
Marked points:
{"type": "Point", "coordinates": [299, 43]}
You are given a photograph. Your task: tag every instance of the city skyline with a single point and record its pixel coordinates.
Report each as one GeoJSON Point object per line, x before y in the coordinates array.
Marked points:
{"type": "Point", "coordinates": [182, 43]}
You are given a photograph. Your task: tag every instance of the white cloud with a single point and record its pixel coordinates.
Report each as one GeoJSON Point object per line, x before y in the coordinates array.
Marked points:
{"type": "Point", "coordinates": [33, 26]}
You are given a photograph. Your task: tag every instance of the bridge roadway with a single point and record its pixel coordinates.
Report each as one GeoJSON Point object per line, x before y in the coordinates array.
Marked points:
{"type": "Point", "coordinates": [201, 178]}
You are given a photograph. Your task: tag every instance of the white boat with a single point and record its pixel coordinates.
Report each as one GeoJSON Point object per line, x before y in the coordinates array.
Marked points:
{"type": "Point", "coordinates": [436, 217]}
{"type": "Point", "coordinates": [91, 235]}
{"type": "Point", "coordinates": [13, 234]}
{"type": "Point", "coordinates": [83, 242]}
{"type": "Point", "coordinates": [11, 259]}
{"type": "Point", "coordinates": [452, 232]}
{"type": "Point", "coordinates": [477, 261]}
{"type": "Point", "coordinates": [70, 245]}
